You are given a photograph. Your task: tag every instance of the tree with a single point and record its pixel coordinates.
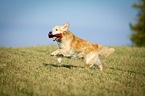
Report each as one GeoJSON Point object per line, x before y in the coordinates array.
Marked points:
{"type": "Point", "coordinates": [138, 29]}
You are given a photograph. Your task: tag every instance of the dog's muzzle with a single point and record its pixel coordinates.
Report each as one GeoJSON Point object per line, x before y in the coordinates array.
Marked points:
{"type": "Point", "coordinates": [55, 37]}
{"type": "Point", "coordinates": [50, 35]}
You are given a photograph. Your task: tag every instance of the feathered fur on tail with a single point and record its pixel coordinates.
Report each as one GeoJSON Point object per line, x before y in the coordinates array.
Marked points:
{"type": "Point", "coordinates": [104, 51]}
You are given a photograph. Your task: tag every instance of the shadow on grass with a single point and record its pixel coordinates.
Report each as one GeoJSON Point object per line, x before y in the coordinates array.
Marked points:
{"type": "Point", "coordinates": [63, 65]}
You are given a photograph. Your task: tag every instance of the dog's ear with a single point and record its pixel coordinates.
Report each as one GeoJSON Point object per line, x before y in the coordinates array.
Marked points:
{"type": "Point", "coordinates": [65, 27]}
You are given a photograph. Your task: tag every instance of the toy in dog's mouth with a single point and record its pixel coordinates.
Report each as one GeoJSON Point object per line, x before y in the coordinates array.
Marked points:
{"type": "Point", "coordinates": [55, 37]}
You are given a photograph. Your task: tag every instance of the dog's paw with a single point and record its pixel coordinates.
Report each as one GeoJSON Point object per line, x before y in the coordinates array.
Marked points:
{"type": "Point", "coordinates": [52, 54]}
{"type": "Point", "coordinates": [59, 59]}
{"type": "Point", "coordinates": [66, 55]}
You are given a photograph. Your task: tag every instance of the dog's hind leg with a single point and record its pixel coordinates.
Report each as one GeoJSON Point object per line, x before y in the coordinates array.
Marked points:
{"type": "Point", "coordinates": [90, 59]}
{"type": "Point", "coordinates": [99, 64]}
{"type": "Point", "coordinates": [101, 67]}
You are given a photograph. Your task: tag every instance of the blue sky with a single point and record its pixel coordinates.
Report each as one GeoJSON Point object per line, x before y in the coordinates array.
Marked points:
{"type": "Point", "coordinates": [27, 22]}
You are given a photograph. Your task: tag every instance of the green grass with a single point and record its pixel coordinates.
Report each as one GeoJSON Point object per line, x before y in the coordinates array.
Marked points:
{"type": "Point", "coordinates": [32, 71]}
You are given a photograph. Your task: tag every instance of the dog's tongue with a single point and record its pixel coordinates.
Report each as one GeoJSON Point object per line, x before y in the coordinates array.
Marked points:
{"type": "Point", "coordinates": [54, 38]}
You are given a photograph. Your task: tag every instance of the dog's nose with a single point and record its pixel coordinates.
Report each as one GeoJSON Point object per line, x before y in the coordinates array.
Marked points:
{"type": "Point", "coordinates": [50, 32]}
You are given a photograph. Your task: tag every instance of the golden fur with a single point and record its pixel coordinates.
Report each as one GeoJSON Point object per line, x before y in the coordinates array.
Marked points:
{"type": "Point", "coordinates": [72, 46]}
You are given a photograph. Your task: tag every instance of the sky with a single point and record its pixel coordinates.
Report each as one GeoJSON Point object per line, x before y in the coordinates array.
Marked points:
{"type": "Point", "coordinates": [27, 22]}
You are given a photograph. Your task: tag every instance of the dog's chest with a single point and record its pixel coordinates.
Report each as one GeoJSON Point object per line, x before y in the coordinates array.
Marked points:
{"type": "Point", "coordinates": [65, 45]}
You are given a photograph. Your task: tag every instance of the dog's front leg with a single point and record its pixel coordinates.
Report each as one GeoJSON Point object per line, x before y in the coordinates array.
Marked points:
{"type": "Point", "coordinates": [63, 52]}
{"type": "Point", "coordinates": [55, 52]}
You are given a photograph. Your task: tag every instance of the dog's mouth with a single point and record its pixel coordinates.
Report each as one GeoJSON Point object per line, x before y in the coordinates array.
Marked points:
{"type": "Point", "coordinates": [55, 37]}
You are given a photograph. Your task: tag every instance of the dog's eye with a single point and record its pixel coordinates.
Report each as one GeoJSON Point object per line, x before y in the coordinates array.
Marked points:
{"type": "Point", "coordinates": [56, 29]}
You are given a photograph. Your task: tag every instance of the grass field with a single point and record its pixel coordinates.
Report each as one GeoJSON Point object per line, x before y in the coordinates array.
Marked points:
{"type": "Point", "coordinates": [32, 71]}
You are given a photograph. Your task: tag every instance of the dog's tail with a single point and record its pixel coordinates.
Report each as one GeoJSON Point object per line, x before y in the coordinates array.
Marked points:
{"type": "Point", "coordinates": [104, 51]}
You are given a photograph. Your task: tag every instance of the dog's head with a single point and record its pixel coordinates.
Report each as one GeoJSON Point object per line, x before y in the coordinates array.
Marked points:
{"type": "Point", "coordinates": [58, 31]}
